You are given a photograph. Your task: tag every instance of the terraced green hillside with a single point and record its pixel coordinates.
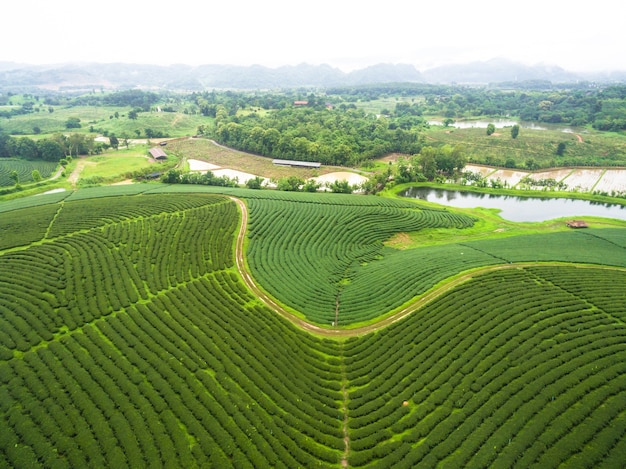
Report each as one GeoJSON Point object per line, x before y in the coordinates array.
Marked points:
{"type": "Point", "coordinates": [324, 256]}
{"type": "Point", "coordinates": [24, 169]}
{"type": "Point", "coordinates": [128, 339]}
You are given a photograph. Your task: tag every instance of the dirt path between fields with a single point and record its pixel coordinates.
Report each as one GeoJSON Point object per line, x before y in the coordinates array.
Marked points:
{"type": "Point", "coordinates": [358, 331]}
{"type": "Point", "coordinates": [73, 178]}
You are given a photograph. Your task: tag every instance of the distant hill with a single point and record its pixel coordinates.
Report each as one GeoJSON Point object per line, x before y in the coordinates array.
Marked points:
{"type": "Point", "coordinates": [496, 71]}
{"type": "Point", "coordinates": [87, 76]}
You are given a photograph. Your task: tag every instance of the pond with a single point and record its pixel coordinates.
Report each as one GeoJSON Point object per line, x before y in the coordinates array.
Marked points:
{"type": "Point", "coordinates": [520, 209]}
{"type": "Point", "coordinates": [500, 124]}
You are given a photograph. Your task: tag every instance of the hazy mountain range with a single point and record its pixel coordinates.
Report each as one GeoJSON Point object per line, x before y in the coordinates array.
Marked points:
{"type": "Point", "coordinates": [84, 76]}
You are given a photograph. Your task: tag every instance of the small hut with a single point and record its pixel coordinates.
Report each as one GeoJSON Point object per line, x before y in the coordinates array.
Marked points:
{"type": "Point", "coordinates": [157, 153]}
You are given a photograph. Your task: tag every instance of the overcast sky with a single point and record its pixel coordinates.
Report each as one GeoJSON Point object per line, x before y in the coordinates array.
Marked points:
{"type": "Point", "coordinates": [343, 33]}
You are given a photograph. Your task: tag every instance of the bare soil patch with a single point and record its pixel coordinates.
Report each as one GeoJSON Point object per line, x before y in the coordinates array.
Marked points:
{"type": "Point", "coordinates": [392, 157]}
{"type": "Point", "coordinates": [197, 165]}
{"type": "Point", "coordinates": [80, 165]}
{"type": "Point", "coordinates": [208, 151]}
{"type": "Point", "coordinates": [399, 241]}
{"type": "Point", "coordinates": [352, 178]}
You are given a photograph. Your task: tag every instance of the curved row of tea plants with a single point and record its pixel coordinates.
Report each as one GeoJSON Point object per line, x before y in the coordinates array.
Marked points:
{"type": "Point", "coordinates": [517, 368]}
{"type": "Point", "coordinates": [24, 169]}
{"type": "Point", "coordinates": [328, 261]}
{"type": "Point", "coordinates": [308, 254]}
{"type": "Point", "coordinates": [132, 342]}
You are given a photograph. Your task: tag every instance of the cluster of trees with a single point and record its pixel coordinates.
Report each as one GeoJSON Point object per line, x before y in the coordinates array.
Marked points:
{"type": "Point", "coordinates": [176, 176]}
{"type": "Point", "coordinates": [53, 148]}
{"type": "Point", "coordinates": [430, 163]}
{"type": "Point", "coordinates": [337, 137]}
{"type": "Point", "coordinates": [577, 105]}
{"type": "Point", "coordinates": [544, 183]}
{"type": "Point", "coordinates": [137, 99]}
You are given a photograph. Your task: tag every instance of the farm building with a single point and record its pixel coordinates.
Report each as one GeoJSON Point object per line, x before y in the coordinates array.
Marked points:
{"type": "Point", "coordinates": [300, 103]}
{"type": "Point", "coordinates": [577, 224]}
{"type": "Point", "coordinates": [157, 153]}
{"type": "Point", "coordinates": [300, 164]}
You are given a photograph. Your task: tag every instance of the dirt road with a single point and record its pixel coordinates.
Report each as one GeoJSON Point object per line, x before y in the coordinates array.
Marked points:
{"type": "Point", "coordinates": [358, 331]}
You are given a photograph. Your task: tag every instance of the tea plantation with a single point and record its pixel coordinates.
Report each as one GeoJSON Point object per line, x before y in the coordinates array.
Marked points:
{"type": "Point", "coordinates": [129, 339]}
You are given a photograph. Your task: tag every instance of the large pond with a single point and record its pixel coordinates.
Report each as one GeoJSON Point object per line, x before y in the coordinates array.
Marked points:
{"type": "Point", "coordinates": [523, 209]}
{"type": "Point", "coordinates": [500, 124]}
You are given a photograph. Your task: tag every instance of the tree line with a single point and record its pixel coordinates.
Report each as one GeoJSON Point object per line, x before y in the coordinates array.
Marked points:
{"type": "Point", "coordinates": [54, 148]}
{"type": "Point", "coordinates": [577, 105]}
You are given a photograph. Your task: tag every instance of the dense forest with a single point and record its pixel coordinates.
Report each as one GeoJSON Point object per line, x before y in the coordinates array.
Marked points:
{"type": "Point", "coordinates": [335, 126]}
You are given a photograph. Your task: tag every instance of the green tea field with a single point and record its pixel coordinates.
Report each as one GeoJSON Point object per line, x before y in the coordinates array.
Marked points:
{"type": "Point", "coordinates": [153, 326]}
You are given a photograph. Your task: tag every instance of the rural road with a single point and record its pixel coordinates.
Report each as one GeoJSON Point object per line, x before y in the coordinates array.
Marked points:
{"type": "Point", "coordinates": [386, 321]}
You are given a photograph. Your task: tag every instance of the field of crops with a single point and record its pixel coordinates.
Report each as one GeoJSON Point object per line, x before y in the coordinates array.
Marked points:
{"type": "Point", "coordinates": [516, 368]}
{"type": "Point", "coordinates": [128, 339]}
{"type": "Point", "coordinates": [24, 170]}
{"type": "Point", "coordinates": [327, 259]}
{"type": "Point", "coordinates": [595, 149]}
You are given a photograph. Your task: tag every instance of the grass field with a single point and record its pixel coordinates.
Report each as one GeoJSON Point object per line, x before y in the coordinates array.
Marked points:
{"type": "Point", "coordinates": [596, 148]}
{"type": "Point", "coordinates": [205, 150]}
{"type": "Point", "coordinates": [102, 119]}
{"type": "Point", "coordinates": [117, 163]}
{"type": "Point", "coordinates": [128, 339]}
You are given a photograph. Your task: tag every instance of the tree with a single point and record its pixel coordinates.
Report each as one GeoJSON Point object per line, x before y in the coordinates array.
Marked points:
{"type": "Point", "coordinates": [450, 159]}
{"type": "Point", "coordinates": [36, 175]}
{"type": "Point", "coordinates": [490, 128]}
{"type": "Point", "coordinates": [532, 164]}
{"type": "Point", "coordinates": [132, 114]}
{"type": "Point", "coordinates": [50, 150]}
{"type": "Point", "coordinates": [79, 144]}
{"type": "Point", "coordinates": [26, 148]}
{"type": "Point", "coordinates": [15, 176]}
{"type": "Point", "coordinates": [509, 163]}
{"type": "Point", "coordinates": [114, 141]}
{"type": "Point", "coordinates": [560, 149]}
{"type": "Point", "coordinates": [291, 183]}
{"type": "Point", "coordinates": [427, 162]}
{"type": "Point", "coordinates": [340, 187]}
{"type": "Point", "coordinates": [311, 186]}
{"type": "Point", "coordinates": [254, 183]}
{"type": "Point", "coordinates": [173, 176]}
{"type": "Point", "coordinates": [515, 131]}
{"type": "Point", "coordinates": [72, 123]}
{"type": "Point", "coordinates": [126, 141]}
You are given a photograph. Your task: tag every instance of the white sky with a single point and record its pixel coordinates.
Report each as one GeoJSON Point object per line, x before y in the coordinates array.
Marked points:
{"type": "Point", "coordinates": [347, 34]}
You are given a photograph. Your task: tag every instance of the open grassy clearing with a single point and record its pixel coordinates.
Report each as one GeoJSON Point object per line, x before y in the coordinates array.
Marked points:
{"type": "Point", "coordinates": [101, 118]}
{"type": "Point", "coordinates": [597, 148]}
{"type": "Point", "coordinates": [206, 150]}
{"type": "Point", "coordinates": [129, 339]}
{"type": "Point", "coordinates": [378, 106]}
{"type": "Point", "coordinates": [117, 163]}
